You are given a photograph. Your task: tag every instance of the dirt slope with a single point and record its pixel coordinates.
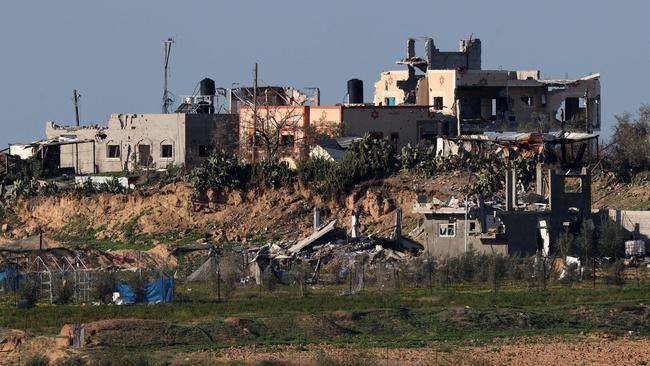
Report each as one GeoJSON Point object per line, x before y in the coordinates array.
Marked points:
{"type": "Point", "coordinates": [234, 215]}
{"type": "Point", "coordinates": [254, 216]}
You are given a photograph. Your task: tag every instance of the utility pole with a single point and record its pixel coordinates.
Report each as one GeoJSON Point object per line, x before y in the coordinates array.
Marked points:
{"type": "Point", "coordinates": [167, 101]}
{"type": "Point", "coordinates": [254, 114]}
{"type": "Point", "coordinates": [76, 97]}
{"type": "Point", "coordinates": [587, 127]}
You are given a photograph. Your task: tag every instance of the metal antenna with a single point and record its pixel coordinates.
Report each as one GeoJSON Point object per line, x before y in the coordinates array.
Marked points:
{"type": "Point", "coordinates": [76, 97]}
{"type": "Point", "coordinates": [167, 100]}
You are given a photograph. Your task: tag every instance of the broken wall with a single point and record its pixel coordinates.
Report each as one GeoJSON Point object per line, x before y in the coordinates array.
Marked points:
{"type": "Point", "coordinates": [130, 139]}
{"type": "Point", "coordinates": [453, 245]}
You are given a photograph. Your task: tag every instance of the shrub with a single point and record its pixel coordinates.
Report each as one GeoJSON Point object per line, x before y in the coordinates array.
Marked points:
{"type": "Point", "coordinates": [30, 292]}
{"type": "Point", "coordinates": [488, 170]}
{"type": "Point", "coordinates": [615, 275]}
{"type": "Point", "coordinates": [273, 174]}
{"type": "Point", "coordinates": [72, 361]}
{"type": "Point", "coordinates": [37, 360]}
{"type": "Point", "coordinates": [269, 279]}
{"type": "Point", "coordinates": [218, 171]}
{"type": "Point", "coordinates": [63, 290]}
{"type": "Point", "coordinates": [104, 285]}
{"type": "Point", "coordinates": [629, 153]}
{"type": "Point", "coordinates": [367, 158]}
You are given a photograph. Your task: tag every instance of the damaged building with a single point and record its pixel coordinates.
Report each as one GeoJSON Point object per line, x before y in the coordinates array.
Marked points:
{"type": "Point", "coordinates": [130, 141]}
{"type": "Point", "coordinates": [454, 84]}
{"type": "Point", "coordinates": [523, 223]}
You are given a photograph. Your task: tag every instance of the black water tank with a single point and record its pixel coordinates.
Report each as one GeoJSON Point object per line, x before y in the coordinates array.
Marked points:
{"type": "Point", "coordinates": [355, 91]}
{"type": "Point", "coordinates": [207, 87]}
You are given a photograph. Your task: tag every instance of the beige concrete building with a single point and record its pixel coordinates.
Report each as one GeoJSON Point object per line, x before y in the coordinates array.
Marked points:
{"type": "Point", "coordinates": [285, 131]}
{"type": "Point", "coordinates": [488, 99]}
{"type": "Point", "coordinates": [290, 131]}
{"type": "Point", "coordinates": [143, 140]}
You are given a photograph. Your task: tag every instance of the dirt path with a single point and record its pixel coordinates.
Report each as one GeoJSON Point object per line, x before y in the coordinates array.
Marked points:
{"type": "Point", "coordinates": [531, 351]}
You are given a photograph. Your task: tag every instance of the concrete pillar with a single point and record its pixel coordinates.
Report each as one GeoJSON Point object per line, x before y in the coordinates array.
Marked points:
{"type": "Point", "coordinates": [428, 52]}
{"type": "Point", "coordinates": [539, 180]}
{"type": "Point", "coordinates": [511, 189]}
{"type": "Point", "coordinates": [410, 48]}
{"type": "Point", "coordinates": [355, 231]}
{"type": "Point", "coordinates": [316, 219]}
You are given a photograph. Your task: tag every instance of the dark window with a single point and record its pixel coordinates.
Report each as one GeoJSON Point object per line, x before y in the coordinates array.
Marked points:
{"type": "Point", "coordinates": [527, 100]}
{"type": "Point", "coordinates": [572, 185]}
{"type": "Point", "coordinates": [255, 139]}
{"type": "Point", "coordinates": [446, 230]}
{"type": "Point", "coordinates": [205, 150]}
{"type": "Point", "coordinates": [437, 103]}
{"type": "Point", "coordinates": [113, 151]}
{"type": "Point", "coordinates": [472, 227]}
{"type": "Point", "coordinates": [144, 155]}
{"type": "Point", "coordinates": [166, 151]}
{"type": "Point", "coordinates": [376, 135]}
{"type": "Point", "coordinates": [287, 140]}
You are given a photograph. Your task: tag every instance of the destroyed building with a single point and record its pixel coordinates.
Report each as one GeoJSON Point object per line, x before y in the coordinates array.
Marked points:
{"type": "Point", "coordinates": [454, 84]}
{"type": "Point", "coordinates": [523, 223]}
{"type": "Point", "coordinates": [131, 141]}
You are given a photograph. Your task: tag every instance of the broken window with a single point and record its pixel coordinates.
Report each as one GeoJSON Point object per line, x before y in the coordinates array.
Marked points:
{"type": "Point", "coordinates": [438, 103]}
{"type": "Point", "coordinates": [166, 151]}
{"type": "Point", "coordinates": [447, 230]}
{"type": "Point", "coordinates": [205, 150]}
{"type": "Point", "coordinates": [113, 151]}
{"type": "Point", "coordinates": [527, 100]}
{"type": "Point", "coordinates": [472, 227]}
{"type": "Point", "coordinates": [572, 185]}
{"type": "Point", "coordinates": [287, 140]}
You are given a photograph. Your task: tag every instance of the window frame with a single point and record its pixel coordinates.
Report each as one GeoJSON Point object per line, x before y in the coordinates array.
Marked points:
{"type": "Point", "coordinates": [292, 139]}
{"type": "Point", "coordinates": [162, 151]}
{"type": "Point", "coordinates": [436, 106]}
{"type": "Point", "coordinates": [108, 151]}
{"type": "Point", "coordinates": [447, 225]}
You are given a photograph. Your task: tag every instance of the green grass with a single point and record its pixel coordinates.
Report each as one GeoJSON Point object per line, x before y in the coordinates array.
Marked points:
{"type": "Point", "coordinates": [79, 233]}
{"type": "Point", "coordinates": [463, 316]}
{"type": "Point", "coordinates": [378, 315]}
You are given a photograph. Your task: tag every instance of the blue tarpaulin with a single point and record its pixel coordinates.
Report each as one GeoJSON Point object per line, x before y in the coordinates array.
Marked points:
{"type": "Point", "coordinates": [160, 290]}
{"type": "Point", "coordinates": [126, 293]}
{"type": "Point", "coordinates": [157, 291]}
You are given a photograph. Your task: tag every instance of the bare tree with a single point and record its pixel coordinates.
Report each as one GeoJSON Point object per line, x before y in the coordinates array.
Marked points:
{"type": "Point", "coordinates": [279, 131]}
{"type": "Point", "coordinates": [275, 130]}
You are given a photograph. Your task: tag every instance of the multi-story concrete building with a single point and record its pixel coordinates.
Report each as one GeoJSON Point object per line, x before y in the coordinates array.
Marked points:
{"type": "Point", "coordinates": [454, 84]}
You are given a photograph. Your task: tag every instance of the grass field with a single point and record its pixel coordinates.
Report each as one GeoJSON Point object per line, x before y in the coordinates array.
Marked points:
{"type": "Point", "coordinates": [406, 318]}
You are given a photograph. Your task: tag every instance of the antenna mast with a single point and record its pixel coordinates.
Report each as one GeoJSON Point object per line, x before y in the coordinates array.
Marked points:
{"type": "Point", "coordinates": [76, 97]}
{"type": "Point", "coordinates": [167, 100]}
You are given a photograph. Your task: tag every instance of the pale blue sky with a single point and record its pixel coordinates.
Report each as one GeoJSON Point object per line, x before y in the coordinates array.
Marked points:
{"type": "Point", "coordinates": [112, 50]}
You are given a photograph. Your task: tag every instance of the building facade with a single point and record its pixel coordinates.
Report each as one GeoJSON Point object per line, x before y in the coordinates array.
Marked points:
{"type": "Point", "coordinates": [489, 100]}
{"type": "Point", "coordinates": [131, 141]}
